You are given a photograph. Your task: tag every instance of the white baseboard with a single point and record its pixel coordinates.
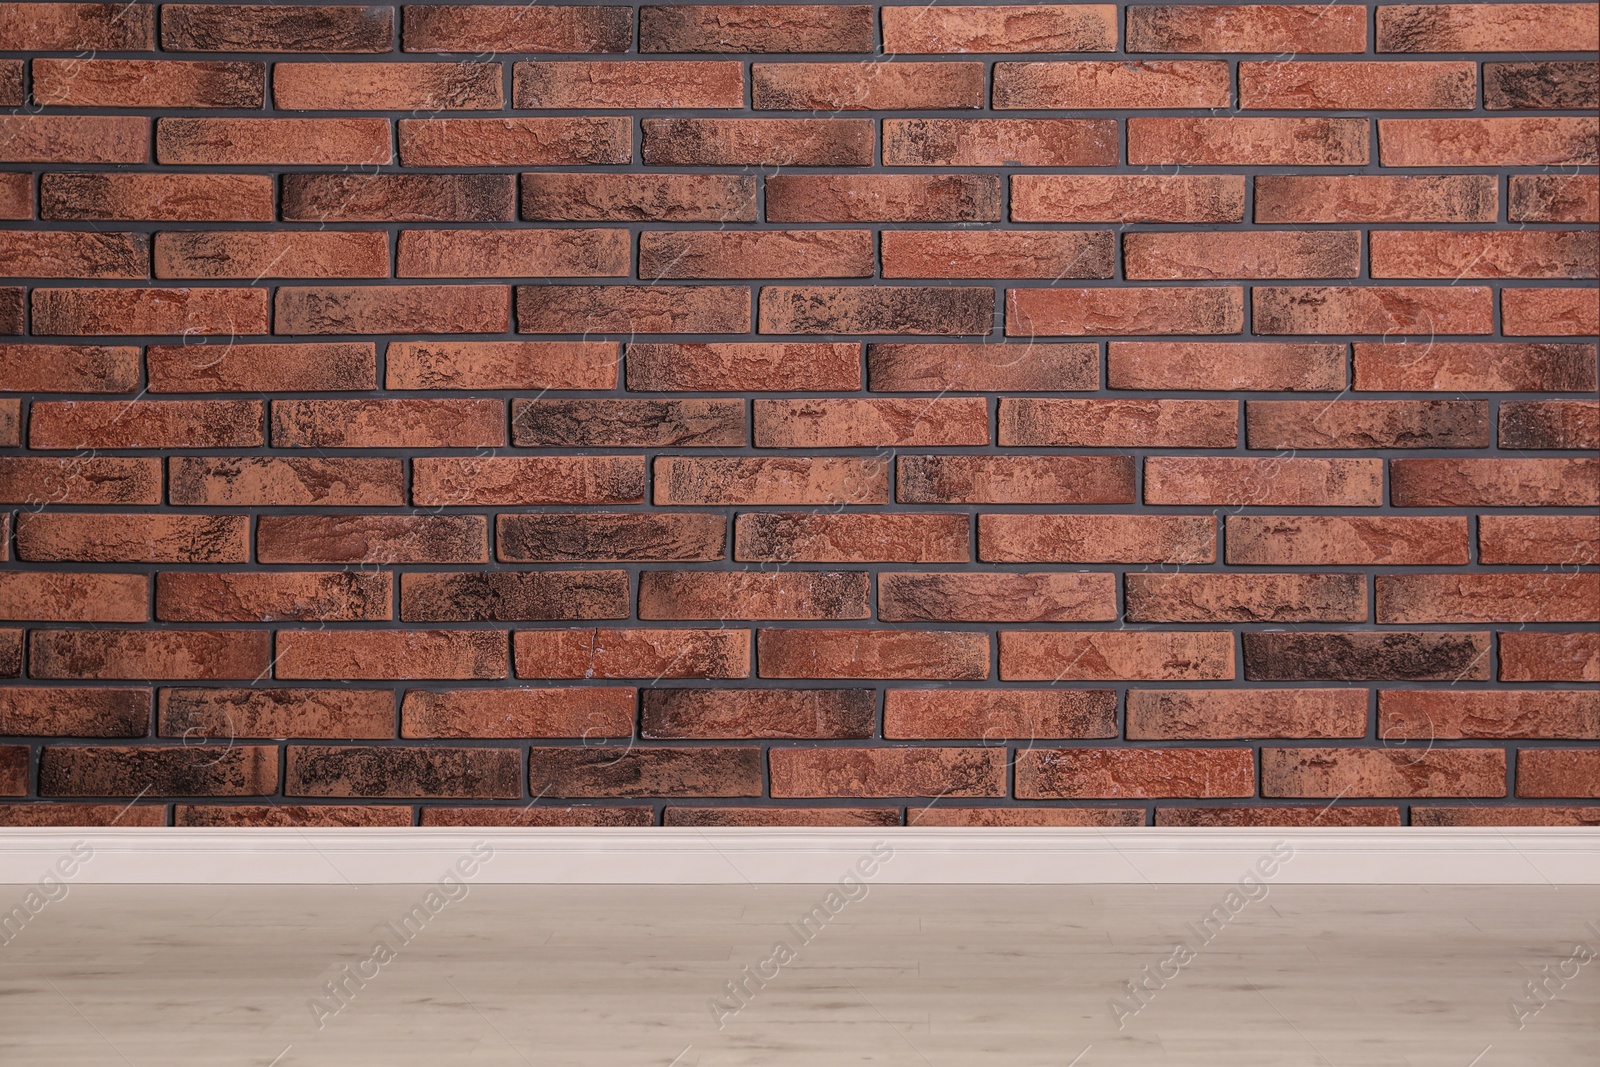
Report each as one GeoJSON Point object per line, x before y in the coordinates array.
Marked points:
{"type": "Point", "coordinates": [682, 856]}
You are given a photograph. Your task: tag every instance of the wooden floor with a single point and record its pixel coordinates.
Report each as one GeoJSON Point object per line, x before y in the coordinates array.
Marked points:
{"type": "Point", "coordinates": [906, 976]}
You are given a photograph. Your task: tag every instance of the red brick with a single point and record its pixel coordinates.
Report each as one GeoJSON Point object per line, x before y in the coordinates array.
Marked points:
{"type": "Point", "coordinates": [601, 771]}
{"type": "Point", "coordinates": [648, 197]}
{"type": "Point", "coordinates": [757, 142]}
{"type": "Point", "coordinates": [905, 596]}
{"type": "Point", "coordinates": [13, 310]}
{"type": "Point", "coordinates": [231, 815]}
{"type": "Point", "coordinates": [1225, 366]}
{"type": "Point", "coordinates": [1246, 598]}
{"type": "Point", "coordinates": [878, 309]}
{"type": "Point", "coordinates": [950, 815]}
{"type": "Point", "coordinates": [787, 595]}
{"type": "Point", "coordinates": [601, 538]}
{"type": "Point", "coordinates": [651, 86]}
{"type": "Point", "coordinates": [633, 653]}
{"type": "Point", "coordinates": [275, 141]}
{"type": "Point", "coordinates": [1347, 540]}
{"type": "Point", "coordinates": [432, 772]}
{"type": "Point", "coordinates": [632, 309]}
{"type": "Point", "coordinates": [466, 481]}
{"type": "Point", "coordinates": [189, 312]}
{"type": "Point", "coordinates": [846, 538]}
{"type": "Point", "coordinates": [75, 712]}
{"type": "Point", "coordinates": [785, 816]}
{"type": "Point", "coordinates": [36, 481]}
{"type": "Point", "coordinates": [1016, 480]}
{"type": "Point", "coordinates": [1495, 483]}
{"type": "Point", "coordinates": [1372, 309]}
{"type": "Point", "coordinates": [1477, 28]}
{"type": "Point", "coordinates": [1569, 539]}
{"type": "Point", "coordinates": [1377, 772]}
{"type": "Point", "coordinates": [754, 254]}
{"type": "Point", "coordinates": [686, 480]}
{"type": "Point", "coordinates": [393, 309]}
{"type": "Point", "coordinates": [1521, 815]}
{"type": "Point", "coordinates": [1049, 254]}
{"type": "Point", "coordinates": [882, 422]}
{"type": "Point", "coordinates": [1537, 657]}
{"type": "Point", "coordinates": [749, 714]}
{"type": "Point", "coordinates": [283, 254]}
{"type": "Point", "coordinates": [168, 770]}
{"type": "Point", "coordinates": [1222, 142]}
{"type": "Point", "coordinates": [1496, 142]}
{"type": "Point", "coordinates": [392, 423]}
{"type": "Point", "coordinates": [226, 714]}
{"type": "Point", "coordinates": [1376, 198]}
{"type": "Point", "coordinates": [1367, 424]}
{"type": "Point", "coordinates": [515, 142]}
{"type": "Point", "coordinates": [276, 481]}
{"type": "Point", "coordinates": [1117, 85]}
{"type": "Point", "coordinates": [1097, 538]}
{"type": "Point", "coordinates": [1108, 773]}
{"type": "Point", "coordinates": [863, 86]}
{"type": "Point", "coordinates": [60, 27]}
{"type": "Point", "coordinates": [1426, 715]}
{"type": "Point", "coordinates": [1537, 424]}
{"type": "Point", "coordinates": [1292, 481]}
{"type": "Point", "coordinates": [270, 28]}
{"type": "Point", "coordinates": [882, 198]}
{"type": "Point", "coordinates": [11, 94]}
{"type": "Point", "coordinates": [986, 366]}
{"type": "Point", "coordinates": [96, 537]}
{"type": "Point", "coordinates": [1280, 28]}
{"type": "Point", "coordinates": [1551, 312]}
{"type": "Point", "coordinates": [996, 716]}
{"type": "Point", "coordinates": [1457, 254]}
{"type": "Point", "coordinates": [567, 253]}
{"type": "Point", "coordinates": [68, 368]}
{"type": "Point", "coordinates": [1364, 655]}
{"type": "Point", "coordinates": [525, 365]}
{"type": "Point", "coordinates": [10, 427]}
{"type": "Point", "coordinates": [415, 87]}
{"type": "Point", "coordinates": [1052, 422]}
{"type": "Point", "coordinates": [501, 596]}
{"type": "Point", "coordinates": [872, 654]}
{"type": "Point", "coordinates": [1445, 366]}
{"type": "Point", "coordinates": [75, 139]}
{"type": "Point", "coordinates": [544, 815]}
{"type": "Point", "coordinates": [745, 367]}
{"type": "Point", "coordinates": [491, 28]}
{"type": "Point", "coordinates": [1144, 655]}
{"type": "Point", "coordinates": [10, 653]}
{"type": "Point", "coordinates": [382, 539]}
{"type": "Point", "coordinates": [384, 654]}
{"type": "Point", "coordinates": [1538, 597]}
{"type": "Point", "coordinates": [246, 368]}
{"type": "Point", "coordinates": [1007, 28]}
{"type": "Point", "coordinates": [43, 254]}
{"type": "Point", "coordinates": [1385, 86]}
{"type": "Point", "coordinates": [1557, 773]}
{"type": "Point", "coordinates": [1262, 254]}
{"type": "Point", "coordinates": [1554, 198]}
{"type": "Point", "coordinates": [368, 197]}
{"type": "Point", "coordinates": [888, 772]}
{"type": "Point", "coordinates": [1127, 197]}
{"type": "Point", "coordinates": [1280, 815]}
{"type": "Point", "coordinates": [571, 712]}
{"type": "Point", "coordinates": [144, 654]}
{"type": "Point", "coordinates": [162, 197]}
{"type": "Point", "coordinates": [1054, 311]}
{"type": "Point", "coordinates": [628, 423]}
{"type": "Point", "coordinates": [85, 424]}
{"type": "Point", "coordinates": [16, 195]}
{"type": "Point", "coordinates": [318, 596]}
{"type": "Point", "coordinates": [61, 596]}
{"type": "Point", "coordinates": [147, 83]}
{"type": "Point", "coordinates": [756, 28]}
{"type": "Point", "coordinates": [1573, 85]}
{"type": "Point", "coordinates": [1240, 714]}
{"type": "Point", "coordinates": [1000, 142]}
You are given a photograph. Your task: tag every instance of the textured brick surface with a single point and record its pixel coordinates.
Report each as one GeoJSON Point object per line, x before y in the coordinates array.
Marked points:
{"type": "Point", "coordinates": [790, 414]}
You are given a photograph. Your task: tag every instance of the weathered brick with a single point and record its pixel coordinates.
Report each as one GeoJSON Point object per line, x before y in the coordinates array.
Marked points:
{"type": "Point", "coordinates": [864, 86]}
{"type": "Point", "coordinates": [60, 27]}
{"type": "Point", "coordinates": [570, 712]}
{"type": "Point", "coordinates": [1572, 424]}
{"type": "Point", "coordinates": [1000, 142]}
{"type": "Point", "coordinates": [676, 714]}
{"type": "Point", "coordinates": [68, 368]}
{"type": "Point", "coordinates": [632, 653]}
{"type": "Point", "coordinates": [1367, 424]}
{"type": "Point", "coordinates": [603, 197]}
{"type": "Point", "coordinates": [1025, 367]}
{"type": "Point", "coordinates": [628, 423]}
{"type": "Point", "coordinates": [16, 195]}
{"type": "Point", "coordinates": [392, 423]}
{"type": "Point", "coordinates": [1543, 772]}
{"type": "Point", "coordinates": [1097, 538]}
{"type": "Point", "coordinates": [186, 312]}
{"type": "Point", "coordinates": [744, 366]}
{"type": "Point", "coordinates": [383, 539]}
{"type": "Point", "coordinates": [1263, 254]}
{"type": "Point", "coordinates": [264, 368]}
{"type": "Point", "coordinates": [1456, 254]}
{"type": "Point", "coordinates": [1295, 481]}
{"type": "Point", "coordinates": [139, 655]}
{"type": "Point", "coordinates": [786, 595]}
{"type": "Point", "coordinates": [526, 365]}
{"type": "Point", "coordinates": [1051, 254]}
{"type": "Point", "coordinates": [74, 712]}
{"type": "Point", "coordinates": [1143, 655]}
{"type": "Point", "coordinates": [1495, 142]}
{"type": "Point", "coordinates": [606, 538]}
{"type": "Point", "coordinates": [1053, 422]}
{"type": "Point", "coordinates": [87, 424]}
{"type": "Point", "coordinates": [754, 254]}
{"type": "Point", "coordinates": [160, 197]}
{"type": "Point", "coordinates": [284, 254]}
{"type": "Point", "coordinates": [514, 142]}
{"type": "Point", "coordinates": [1225, 366]}
{"type": "Point", "coordinates": [566, 253]}
{"type": "Point", "coordinates": [757, 142]}
{"type": "Point", "coordinates": [1537, 597]}
{"type": "Point", "coordinates": [1128, 197]}
{"type": "Point", "coordinates": [147, 83]}
{"type": "Point", "coordinates": [1376, 198]}
{"type": "Point", "coordinates": [369, 197]}
{"type": "Point", "coordinates": [1551, 312]}
{"type": "Point", "coordinates": [692, 480]}
{"type": "Point", "coordinates": [1239, 714]}
{"type": "Point", "coordinates": [1108, 773]}
{"type": "Point", "coordinates": [1113, 85]}
{"type": "Point", "coordinates": [393, 309]}
{"type": "Point", "coordinates": [1547, 84]}
{"type": "Point", "coordinates": [847, 538]}
{"type": "Point", "coordinates": [75, 139]}
{"type": "Point", "coordinates": [1245, 598]}
{"type": "Point", "coordinates": [878, 309]}
{"type": "Point", "coordinates": [1222, 142]}
{"type": "Point", "coordinates": [383, 654]}
{"type": "Point", "coordinates": [66, 813]}
{"type": "Point", "coordinates": [62, 596]}
{"type": "Point", "coordinates": [1372, 309]}
{"type": "Point", "coordinates": [96, 537]}
{"type": "Point", "coordinates": [652, 86]}
{"type": "Point", "coordinates": [756, 28]}
{"type": "Point", "coordinates": [542, 815]}
{"type": "Point", "coordinates": [433, 772]}
{"type": "Point", "coordinates": [631, 309]}
{"type": "Point", "coordinates": [273, 142]}
{"type": "Point", "coordinates": [1495, 483]}
{"type": "Point", "coordinates": [601, 771]}
{"type": "Point", "coordinates": [883, 422]}
{"type": "Point", "coordinates": [674, 815]}
{"type": "Point", "coordinates": [1056, 311]}
{"type": "Point", "coordinates": [44, 254]}
{"type": "Point", "coordinates": [502, 596]}
{"type": "Point", "coordinates": [1382, 772]}
{"type": "Point", "coordinates": [1554, 198]}
{"type": "Point", "coordinates": [490, 28]}
{"type": "Point", "coordinates": [1346, 540]}
{"type": "Point", "coordinates": [1475, 366]}
{"type": "Point", "coordinates": [1424, 715]}
{"type": "Point", "coordinates": [466, 481]}
{"type": "Point", "coordinates": [1356, 655]}
{"type": "Point", "coordinates": [1000, 28]}
{"type": "Point", "coordinates": [1521, 815]}
{"type": "Point", "coordinates": [256, 481]}
{"type": "Point", "coordinates": [273, 28]}
{"type": "Point", "coordinates": [1568, 539]}
{"type": "Point", "coordinates": [997, 715]}
{"type": "Point", "coordinates": [275, 814]}
{"type": "Point", "coordinates": [1335, 86]}
{"type": "Point", "coordinates": [955, 597]}
{"type": "Point", "coordinates": [226, 714]}
{"type": "Point", "coordinates": [1280, 815]}
{"type": "Point", "coordinates": [415, 87]}
{"type": "Point", "coordinates": [1016, 480]}
{"type": "Point", "coordinates": [166, 770]}
{"type": "Point", "coordinates": [882, 198]}
{"type": "Point", "coordinates": [1273, 28]}
{"type": "Point", "coordinates": [1549, 657]}
{"type": "Point", "coordinates": [316, 596]}
{"type": "Point", "coordinates": [39, 482]}
{"type": "Point", "coordinates": [888, 772]}
{"type": "Point", "coordinates": [1484, 28]}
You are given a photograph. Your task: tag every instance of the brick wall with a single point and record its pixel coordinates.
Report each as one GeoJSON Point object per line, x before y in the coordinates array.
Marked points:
{"type": "Point", "coordinates": [1092, 414]}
